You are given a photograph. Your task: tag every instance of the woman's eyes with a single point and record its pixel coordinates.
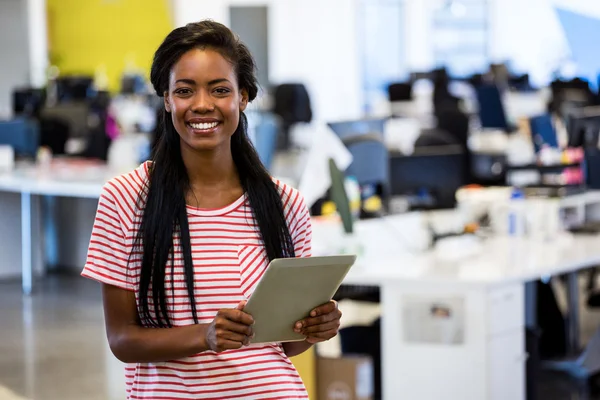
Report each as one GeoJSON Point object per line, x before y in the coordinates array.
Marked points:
{"type": "Point", "coordinates": [222, 90]}
{"type": "Point", "coordinates": [186, 92]}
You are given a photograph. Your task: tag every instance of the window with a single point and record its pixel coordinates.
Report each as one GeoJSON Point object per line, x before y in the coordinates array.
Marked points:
{"type": "Point", "coordinates": [460, 36]}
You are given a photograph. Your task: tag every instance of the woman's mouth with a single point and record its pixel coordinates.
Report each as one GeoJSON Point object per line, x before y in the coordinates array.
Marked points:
{"type": "Point", "coordinates": [203, 127]}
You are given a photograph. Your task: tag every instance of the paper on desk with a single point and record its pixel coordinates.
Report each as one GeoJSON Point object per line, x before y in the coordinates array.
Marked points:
{"type": "Point", "coordinates": [315, 179]}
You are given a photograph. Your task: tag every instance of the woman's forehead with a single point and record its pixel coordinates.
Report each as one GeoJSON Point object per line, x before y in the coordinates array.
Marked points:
{"type": "Point", "coordinates": [202, 66]}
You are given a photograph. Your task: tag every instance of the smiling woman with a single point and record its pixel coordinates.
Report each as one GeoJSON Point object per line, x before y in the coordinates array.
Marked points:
{"type": "Point", "coordinates": [181, 242]}
{"type": "Point", "coordinates": [204, 102]}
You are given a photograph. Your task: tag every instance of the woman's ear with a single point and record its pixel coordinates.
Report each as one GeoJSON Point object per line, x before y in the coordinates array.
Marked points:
{"type": "Point", "coordinates": [243, 99]}
{"type": "Point", "coordinates": [167, 104]}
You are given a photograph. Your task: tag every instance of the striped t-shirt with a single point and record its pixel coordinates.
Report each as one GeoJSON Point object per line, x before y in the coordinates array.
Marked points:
{"type": "Point", "coordinates": [229, 259]}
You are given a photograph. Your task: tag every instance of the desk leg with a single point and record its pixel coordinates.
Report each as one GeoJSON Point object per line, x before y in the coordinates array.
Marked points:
{"type": "Point", "coordinates": [573, 313]}
{"type": "Point", "coordinates": [26, 247]}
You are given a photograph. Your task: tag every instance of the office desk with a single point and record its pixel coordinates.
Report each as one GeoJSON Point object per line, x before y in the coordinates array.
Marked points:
{"type": "Point", "coordinates": [74, 179]}
{"type": "Point", "coordinates": [482, 284]}
{"type": "Point", "coordinates": [479, 353]}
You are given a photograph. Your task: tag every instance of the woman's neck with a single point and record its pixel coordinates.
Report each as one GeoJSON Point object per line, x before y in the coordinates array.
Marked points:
{"type": "Point", "coordinates": [214, 169]}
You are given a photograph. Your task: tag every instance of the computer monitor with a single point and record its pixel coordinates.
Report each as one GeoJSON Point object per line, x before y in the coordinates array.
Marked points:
{"type": "Point", "coordinates": [430, 177]}
{"type": "Point", "coordinates": [28, 101]}
{"type": "Point", "coordinates": [491, 110]}
{"type": "Point", "coordinates": [543, 133]}
{"type": "Point", "coordinates": [74, 88]}
{"type": "Point", "coordinates": [346, 129]}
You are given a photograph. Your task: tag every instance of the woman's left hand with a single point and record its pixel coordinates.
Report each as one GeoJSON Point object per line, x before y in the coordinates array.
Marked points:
{"type": "Point", "coordinates": [322, 325]}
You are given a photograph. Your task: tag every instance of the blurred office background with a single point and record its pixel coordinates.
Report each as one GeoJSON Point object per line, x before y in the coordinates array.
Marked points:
{"type": "Point", "coordinates": [463, 134]}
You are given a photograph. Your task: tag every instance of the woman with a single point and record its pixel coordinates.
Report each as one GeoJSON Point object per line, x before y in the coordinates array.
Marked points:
{"type": "Point", "coordinates": [180, 242]}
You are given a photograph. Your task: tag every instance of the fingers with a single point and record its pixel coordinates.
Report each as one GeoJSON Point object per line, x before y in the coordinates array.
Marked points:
{"type": "Point", "coordinates": [322, 336]}
{"type": "Point", "coordinates": [237, 315]}
{"type": "Point", "coordinates": [240, 338]}
{"type": "Point", "coordinates": [223, 344]}
{"type": "Point", "coordinates": [324, 308]}
{"type": "Point", "coordinates": [241, 305]}
{"type": "Point", "coordinates": [227, 325]}
{"type": "Point", "coordinates": [326, 327]}
{"type": "Point", "coordinates": [319, 320]}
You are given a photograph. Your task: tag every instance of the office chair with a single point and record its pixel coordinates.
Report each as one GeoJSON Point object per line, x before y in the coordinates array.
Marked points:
{"type": "Point", "coordinates": [520, 83]}
{"type": "Point", "coordinates": [567, 95]}
{"type": "Point", "coordinates": [491, 109]}
{"type": "Point", "coordinates": [54, 133]}
{"type": "Point", "coordinates": [22, 135]}
{"type": "Point", "coordinates": [456, 123]}
{"type": "Point", "coordinates": [292, 104]}
{"type": "Point", "coordinates": [400, 92]}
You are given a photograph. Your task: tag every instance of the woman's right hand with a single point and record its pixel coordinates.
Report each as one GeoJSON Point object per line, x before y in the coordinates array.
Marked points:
{"type": "Point", "coordinates": [231, 329]}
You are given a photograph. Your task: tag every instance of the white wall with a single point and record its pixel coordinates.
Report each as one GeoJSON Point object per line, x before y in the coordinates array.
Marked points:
{"type": "Point", "coordinates": [14, 58]}
{"type": "Point", "coordinates": [310, 41]}
{"type": "Point", "coordinates": [37, 42]}
{"type": "Point", "coordinates": [23, 48]}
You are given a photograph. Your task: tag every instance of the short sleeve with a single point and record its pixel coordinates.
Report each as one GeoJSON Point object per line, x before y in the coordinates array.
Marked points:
{"type": "Point", "coordinates": [108, 253]}
{"type": "Point", "coordinates": [302, 230]}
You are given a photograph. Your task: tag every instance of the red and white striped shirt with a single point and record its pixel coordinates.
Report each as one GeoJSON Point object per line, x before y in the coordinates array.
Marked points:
{"type": "Point", "coordinates": [229, 259]}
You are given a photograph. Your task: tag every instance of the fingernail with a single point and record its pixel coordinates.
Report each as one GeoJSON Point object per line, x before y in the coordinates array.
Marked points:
{"type": "Point", "coordinates": [298, 325]}
{"type": "Point", "coordinates": [313, 313]}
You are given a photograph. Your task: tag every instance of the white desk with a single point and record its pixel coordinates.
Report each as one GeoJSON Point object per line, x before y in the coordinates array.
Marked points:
{"type": "Point", "coordinates": [486, 292]}
{"type": "Point", "coordinates": [64, 180]}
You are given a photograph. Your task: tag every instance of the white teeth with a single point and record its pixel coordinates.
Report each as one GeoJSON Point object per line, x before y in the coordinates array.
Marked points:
{"type": "Point", "coordinates": [204, 125]}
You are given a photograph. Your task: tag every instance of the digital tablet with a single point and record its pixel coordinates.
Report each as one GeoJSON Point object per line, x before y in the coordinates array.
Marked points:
{"type": "Point", "coordinates": [289, 290]}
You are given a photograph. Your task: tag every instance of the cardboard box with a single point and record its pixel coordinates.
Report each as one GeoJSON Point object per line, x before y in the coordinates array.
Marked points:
{"type": "Point", "coordinates": [345, 378]}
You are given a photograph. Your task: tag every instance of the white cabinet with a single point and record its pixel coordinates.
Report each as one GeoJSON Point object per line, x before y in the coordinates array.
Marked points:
{"type": "Point", "coordinates": [486, 362]}
{"type": "Point", "coordinates": [506, 366]}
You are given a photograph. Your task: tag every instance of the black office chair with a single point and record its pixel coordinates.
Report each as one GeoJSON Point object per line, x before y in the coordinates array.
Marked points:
{"type": "Point", "coordinates": [54, 133]}
{"type": "Point", "coordinates": [520, 83]}
{"type": "Point", "coordinates": [567, 95]}
{"type": "Point", "coordinates": [292, 104]}
{"type": "Point", "coordinates": [456, 123]}
{"type": "Point", "coordinates": [401, 91]}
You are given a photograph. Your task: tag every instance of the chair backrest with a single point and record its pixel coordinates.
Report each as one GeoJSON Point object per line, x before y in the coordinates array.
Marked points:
{"type": "Point", "coordinates": [400, 91]}
{"type": "Point", "coordinates": [370, 160]}
{"type": "Point", "coordinates": [292, 103]}
{"type": "Point", "coordinates": [456, 123]}
{"type": "Point", "coordinates": [22, 135]}
{"type": "Point", "coordinates": [265, 138]}
{"type": "Point", "coordinates": [491, 109]}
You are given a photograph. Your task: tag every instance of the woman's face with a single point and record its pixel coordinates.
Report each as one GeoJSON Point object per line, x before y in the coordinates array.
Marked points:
{"type": "Point", "coordinates": [204, 100]}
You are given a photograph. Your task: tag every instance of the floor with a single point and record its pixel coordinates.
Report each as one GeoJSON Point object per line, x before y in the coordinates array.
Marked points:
{"type": "Point", "coordinates": [53, 346]}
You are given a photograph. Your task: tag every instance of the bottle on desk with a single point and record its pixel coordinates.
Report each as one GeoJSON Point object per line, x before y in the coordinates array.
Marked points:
{"type": "Point", "coordinates": [516, 213]}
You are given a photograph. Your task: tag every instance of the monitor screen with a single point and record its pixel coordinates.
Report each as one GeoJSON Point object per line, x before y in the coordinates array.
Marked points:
{"type": "Point", "coordinates": [429, 180]}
